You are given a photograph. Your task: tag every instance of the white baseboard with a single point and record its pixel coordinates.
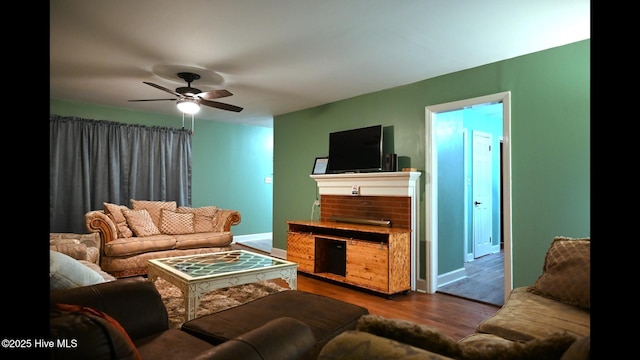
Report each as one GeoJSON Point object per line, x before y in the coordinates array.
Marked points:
{"type": "Point", "coordinates": [275, 252]}
{"type": "Point", "coordinates": [451, 276]}
{"type": "Point", "coordinates": [251, 237]}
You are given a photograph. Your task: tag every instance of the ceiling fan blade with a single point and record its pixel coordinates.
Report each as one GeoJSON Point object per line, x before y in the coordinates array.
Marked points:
{"type": "Point", "coordinates": [153, 100]}
{"type": "Point", "coordinates": [162, 88]}
{"type": "Point", "coordinates": [214, 94]}
{"type": "Point", "coordinates": [220, 105]}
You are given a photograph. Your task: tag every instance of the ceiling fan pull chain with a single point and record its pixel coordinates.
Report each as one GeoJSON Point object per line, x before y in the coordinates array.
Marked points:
{"type": "Point", "coordinates": [193, 125]}
{"type": "Point", "coordinates": [183, 120]}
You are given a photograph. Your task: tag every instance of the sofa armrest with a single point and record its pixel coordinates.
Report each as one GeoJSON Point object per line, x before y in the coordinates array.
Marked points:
{"type": "Point", "coordinates": [134, 302]}
{"type": "Point", "coordinates": [279, 339]}
{"type": "Point", "coordinates": [227, 218]}
{"type": "Point", "coordinates": [78, 246]}
{"type": "Point", "coordinates": [98, 221]}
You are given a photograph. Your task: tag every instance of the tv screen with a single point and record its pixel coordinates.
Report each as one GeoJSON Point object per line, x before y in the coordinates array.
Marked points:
{"type": "Point", "coordinates": [356, 150]}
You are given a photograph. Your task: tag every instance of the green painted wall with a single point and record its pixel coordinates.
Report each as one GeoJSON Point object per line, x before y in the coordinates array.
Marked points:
{"type": "Point", "coordinates": [229, 163]}
{"type": "Point", "coordinates": [451, 216]}
{"type": "Point", "coordinates": [550, 138]}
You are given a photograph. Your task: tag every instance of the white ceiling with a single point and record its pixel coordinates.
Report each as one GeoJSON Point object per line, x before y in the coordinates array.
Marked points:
{"type": "Point", "coordinates": [279, 56]}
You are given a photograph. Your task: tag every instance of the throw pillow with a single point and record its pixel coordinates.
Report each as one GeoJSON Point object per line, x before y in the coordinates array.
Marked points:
{"type": "Point", "coordinates": [551, 348]}
{"type": "Point", "coordinates": [174, 223]}
{"type": "Point", "coordinates": [566, 272]}
{"type": "Point", "coordinates": [204, 218]}
{"type": "Point", "coordinates": [96, 334]}
{"type": "Point", "coordinates": [410, 333]}
{"type": "Point", "coordinates": [154, 208]}
{"type": "Point", "coordinates": [66, 272]}
{"type": "Point", "coordinates": [115, 213]}
{"type": "Point", "coordinates": [140, 222]}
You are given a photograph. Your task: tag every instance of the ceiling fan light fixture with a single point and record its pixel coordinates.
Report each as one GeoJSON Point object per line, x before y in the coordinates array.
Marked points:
{"type": "Point", "coordinates": [188, 106]}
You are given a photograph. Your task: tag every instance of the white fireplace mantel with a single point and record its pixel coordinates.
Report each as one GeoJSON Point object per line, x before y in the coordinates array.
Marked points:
{"type": "Point", "coordinates": [399, 183]}
{"type": "Point", "coordinates": [380, 184]}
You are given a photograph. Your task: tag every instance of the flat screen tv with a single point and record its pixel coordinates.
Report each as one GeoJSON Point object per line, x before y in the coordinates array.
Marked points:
{"type": "Point", "coordinates": [356, 150]}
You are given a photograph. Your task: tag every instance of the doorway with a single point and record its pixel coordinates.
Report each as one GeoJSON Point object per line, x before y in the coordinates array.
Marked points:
{"type": "Point", "coordinates": [447, 251]}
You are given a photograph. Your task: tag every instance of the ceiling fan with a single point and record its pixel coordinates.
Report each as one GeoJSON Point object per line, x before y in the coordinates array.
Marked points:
{"type": "Point", "coordinates": [187, 94]}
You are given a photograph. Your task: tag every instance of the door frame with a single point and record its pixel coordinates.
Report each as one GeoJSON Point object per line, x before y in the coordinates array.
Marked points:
{"type": "Point", "coordinates": [431, 186]}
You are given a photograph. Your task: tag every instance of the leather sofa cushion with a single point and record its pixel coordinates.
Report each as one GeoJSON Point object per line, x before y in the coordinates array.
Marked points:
{"type": "Point", "coordinates": [280, 338]}
{"type": "Point", "coordinates": [90, 333]}
{"type": "Point", "coordinates": [327, 317]}
{"type": "Point", "coordinates": [171, 344]}
{"type": "Point", "coordinates": [115, 298]}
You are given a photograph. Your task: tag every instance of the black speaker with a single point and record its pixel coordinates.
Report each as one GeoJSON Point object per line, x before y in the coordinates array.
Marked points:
{"type": "Point", "coordinates": [390, 162]}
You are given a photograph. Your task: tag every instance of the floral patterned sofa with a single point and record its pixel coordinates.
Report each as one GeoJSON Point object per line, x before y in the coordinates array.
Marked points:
{"type": "Point", "coordinates": [156, 229]}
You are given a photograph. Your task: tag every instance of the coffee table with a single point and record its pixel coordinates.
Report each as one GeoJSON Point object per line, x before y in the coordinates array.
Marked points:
{"type": "Point", "coordinates": [196, 275]}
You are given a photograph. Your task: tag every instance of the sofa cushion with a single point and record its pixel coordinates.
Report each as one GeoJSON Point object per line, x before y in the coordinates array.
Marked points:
{"type": "Point", "coordinates": [203, 240]}
{"type": "Point", "coordinates": [205, 218]}
{"type": "Point", "coordinates": [327, 317]}
{"type": "Point", "coordinates": [139, 245]}
{"type": "Point", "coordinates": [551, 347]}
{"type": "Point", "coordinates": [174, 223]}
{"type": "Point", "coordinates": [173, 344]}
{"type": "Point", "coordinates": [96, 334]}
{"type": "Point", "coordinates": [566, 272]}
{"type": "Point", "coordinates": [140, 222]}
{"type": "Point", "coordinates": [66, 272]}
{"type": "Point", "coordinates": [356, 344]}
{"type": "Point", "coordinates": [353, 344]}
{"type": "Point", "coordinates": [408, 332]}
{"type": "Point", "coordinates": [154, 208]}
{"type": "Point", "coordinates": [114, 212]}
{"type": "Point", "coordinates": [473, 347]}
{"type": "Point", "coordinates": [526, 316]}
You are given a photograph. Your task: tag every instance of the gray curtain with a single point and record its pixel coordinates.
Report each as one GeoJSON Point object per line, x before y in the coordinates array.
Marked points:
{"type": "Point", "coordinates": [91, 162]}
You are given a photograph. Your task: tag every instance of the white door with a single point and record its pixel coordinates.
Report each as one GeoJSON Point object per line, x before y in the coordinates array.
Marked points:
{"type": "Point", "coordinates": [481, 193]}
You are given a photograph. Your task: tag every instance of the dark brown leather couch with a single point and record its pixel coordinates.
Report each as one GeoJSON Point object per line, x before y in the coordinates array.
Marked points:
{"type": "Point", "coordinates": [137, 307]}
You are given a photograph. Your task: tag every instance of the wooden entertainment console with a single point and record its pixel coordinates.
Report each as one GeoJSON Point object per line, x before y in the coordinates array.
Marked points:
{"type": "Point", "coordinates": [371, 257]}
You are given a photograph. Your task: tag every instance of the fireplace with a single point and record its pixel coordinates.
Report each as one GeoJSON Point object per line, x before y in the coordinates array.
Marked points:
{"type": "Point", "coordinates": [393, 196]}
{"type": "Point", "coordinates": [396, 209]}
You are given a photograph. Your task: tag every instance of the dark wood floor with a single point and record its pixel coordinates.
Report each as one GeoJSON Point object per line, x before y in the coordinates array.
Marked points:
{"type": "Point", "coordinates": [484, 281]}
{"type": "Point", "coordinates": [455, 316]}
